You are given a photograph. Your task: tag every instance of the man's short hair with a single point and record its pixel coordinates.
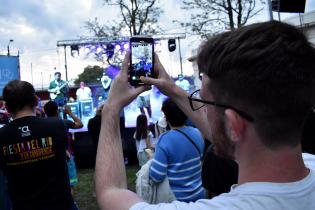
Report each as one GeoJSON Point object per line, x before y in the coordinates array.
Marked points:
{"type": "Point", "coordinates": [18, 95]}
{"type": "Point", "coordinates": [57, 73]}
{"type": "Point", "coordinates": [173, 114]}
{"type": "Point", "coordinates": [266, 70]}
{"type": "Point", "coordinates": [51, 109]}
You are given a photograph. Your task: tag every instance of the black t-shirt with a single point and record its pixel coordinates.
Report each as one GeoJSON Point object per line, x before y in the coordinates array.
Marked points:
{"type": "Point", "coordinates": [32, 156]}
{"type": "Point", "coordinates": [94, 128]}
{"type": "Point", "coordinates": [218, 174]}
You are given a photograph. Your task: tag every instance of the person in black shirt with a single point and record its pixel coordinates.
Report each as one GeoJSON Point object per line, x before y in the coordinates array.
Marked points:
{"type": "Point", "coordinates": [51, 110]}
{"type": "Point", "coordinates": [32, 154]}
{"type": "Point", "coordinates": [94, 127]}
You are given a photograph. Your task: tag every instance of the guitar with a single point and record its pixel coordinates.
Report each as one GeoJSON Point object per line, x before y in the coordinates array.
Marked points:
{"type": "Point", "coordinates": [56, 90]}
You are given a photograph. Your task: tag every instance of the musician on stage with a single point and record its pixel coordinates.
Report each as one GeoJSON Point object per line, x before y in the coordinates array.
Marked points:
{"type": "Point", "coordinates": [84, 92]}
{"type": "Point", "coordinates": [58, 90]}
{"type": "Point", "coordinates": [106, 82]}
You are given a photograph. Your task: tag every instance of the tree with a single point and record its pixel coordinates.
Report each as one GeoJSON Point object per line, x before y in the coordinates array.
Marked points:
{"type": "Point", "coordinates": [90, 75]}
{"type": "Point", "coordinates": [212, 16]}
{"type": "Point", "coordinates": [138, 17]}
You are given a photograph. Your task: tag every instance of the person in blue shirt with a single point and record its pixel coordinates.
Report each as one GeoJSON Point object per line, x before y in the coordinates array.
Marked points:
{"type": "Point", "coordinates": [178, 156]}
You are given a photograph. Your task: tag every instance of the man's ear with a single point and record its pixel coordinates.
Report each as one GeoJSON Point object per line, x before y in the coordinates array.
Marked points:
{"type": "Point", "coordinates": [35, 100]}
{"type": "Point", "coordinates": [235, 125]}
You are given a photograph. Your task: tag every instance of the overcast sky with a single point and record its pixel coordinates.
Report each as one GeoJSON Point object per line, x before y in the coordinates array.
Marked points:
{"type": "Point", "coordinates": [37, 25]}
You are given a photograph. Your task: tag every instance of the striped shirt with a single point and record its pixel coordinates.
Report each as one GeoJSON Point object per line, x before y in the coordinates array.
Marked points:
{"type": "Point", "coordinates": [178, 159]}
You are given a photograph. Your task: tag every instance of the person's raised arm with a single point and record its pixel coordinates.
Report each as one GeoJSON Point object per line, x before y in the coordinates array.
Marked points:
{"type": "Point", "coordinates": [167, 86]}
{"type": "Point", "coordinates": [77, 122]}
{"type": "Point", "coordinates": [110, 174]}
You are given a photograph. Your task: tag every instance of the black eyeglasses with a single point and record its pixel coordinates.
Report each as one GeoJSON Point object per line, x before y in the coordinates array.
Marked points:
{"type": "Point", "coordinates": [196, 103]}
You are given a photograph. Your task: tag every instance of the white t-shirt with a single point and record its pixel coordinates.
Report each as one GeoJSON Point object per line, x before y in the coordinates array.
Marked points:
{"type": "Point", "coordinates": [145, 93]}
{"type": "Point", "coordinates": [83, 94]}
{"type": "Point", "coordinates": [184, 84]}
{"type": "Point", "coordinates": [298, 195]}
{"type": "Point", "coordinates": [141, 144]}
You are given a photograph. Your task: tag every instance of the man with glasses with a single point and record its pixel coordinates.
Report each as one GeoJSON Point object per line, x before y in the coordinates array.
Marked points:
{"type": "Point", "coordinates": [257, 89]}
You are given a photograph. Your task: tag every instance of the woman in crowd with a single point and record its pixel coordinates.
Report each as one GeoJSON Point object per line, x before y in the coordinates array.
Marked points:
{"type": "Point", "coordinates": [143, 137]}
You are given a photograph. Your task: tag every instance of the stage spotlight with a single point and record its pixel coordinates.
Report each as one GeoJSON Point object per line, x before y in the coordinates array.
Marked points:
{"type": "Point", "coordinates": [87, 49]}
{"type": "Point", "coordinates": [126, 46]}
{"type": "Point", "coordinates": [74, 50]}
{"type": "Point", "coordinates": [117, 47]}
{"type": "Point", "coordinates": [171, 45]}
{"type": "Point", "coordinates": [98, 49]}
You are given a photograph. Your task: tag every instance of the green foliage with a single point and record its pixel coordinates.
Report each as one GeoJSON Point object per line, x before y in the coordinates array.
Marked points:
{"type": "Point", "coordinates": [90, 75]}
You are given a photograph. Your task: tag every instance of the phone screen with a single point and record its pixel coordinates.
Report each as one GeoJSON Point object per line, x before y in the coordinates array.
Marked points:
{"type": "Point", "coordinates": [141, 59]}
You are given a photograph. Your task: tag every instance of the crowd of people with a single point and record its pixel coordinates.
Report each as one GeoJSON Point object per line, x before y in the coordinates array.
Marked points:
{"type": "Point", "coordinates": [255, 106]}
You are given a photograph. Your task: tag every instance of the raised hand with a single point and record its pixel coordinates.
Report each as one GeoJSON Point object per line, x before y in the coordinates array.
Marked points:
{"type": "Point", "coordinates": [121, 93]}
{"type": "Point", "coordinates": [163, 82]}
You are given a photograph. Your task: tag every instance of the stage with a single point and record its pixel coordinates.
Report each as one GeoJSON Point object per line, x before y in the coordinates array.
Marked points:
{"type": "Point", "coordinates": [130, 112]}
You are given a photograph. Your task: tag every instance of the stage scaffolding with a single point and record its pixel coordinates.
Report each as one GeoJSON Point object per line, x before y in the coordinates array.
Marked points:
{"type": "Point", "coordinates": [84, 41]}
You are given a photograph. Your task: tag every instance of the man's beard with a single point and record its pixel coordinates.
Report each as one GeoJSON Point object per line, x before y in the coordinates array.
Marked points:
{"type": "Point", "coordinates": [222, 143]}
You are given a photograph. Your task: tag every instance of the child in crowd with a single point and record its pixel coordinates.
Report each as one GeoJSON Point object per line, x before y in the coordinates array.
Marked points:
{"type": "Point", "coordinates": [143, 137]}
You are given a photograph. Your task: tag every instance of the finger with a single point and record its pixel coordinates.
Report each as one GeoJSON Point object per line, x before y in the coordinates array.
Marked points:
{"type": "Point", "coordinates": [150, 81]}
{"type": "Point", "coordinates": [125, 64]}
{"type": "Point", "coordinates": [158, 67]}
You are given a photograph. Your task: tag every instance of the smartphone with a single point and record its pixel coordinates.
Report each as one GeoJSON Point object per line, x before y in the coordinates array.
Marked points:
{"type": "Point", "coordinates": [141, 59]}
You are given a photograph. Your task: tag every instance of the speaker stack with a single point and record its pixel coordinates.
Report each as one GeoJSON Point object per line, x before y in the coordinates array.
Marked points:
{"type": "Point", "coordinates": [291, 6]}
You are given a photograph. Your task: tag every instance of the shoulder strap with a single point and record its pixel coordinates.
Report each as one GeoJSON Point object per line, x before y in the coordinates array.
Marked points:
{"type": "Point", "coordinates": [193, 143]}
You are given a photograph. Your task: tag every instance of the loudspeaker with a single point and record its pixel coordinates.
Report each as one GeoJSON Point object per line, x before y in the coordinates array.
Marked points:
{"type": "Point", "coordinates": [171, 45]}
{"type": "Point", "coordinates": [293, 6]}
{"type": "Point", "coordinates": [74, 106]}
{"type": "Point", "coordinates": [74, 48]}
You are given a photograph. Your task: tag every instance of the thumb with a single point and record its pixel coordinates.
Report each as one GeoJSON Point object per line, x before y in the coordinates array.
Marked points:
{"type": "Point", "coordinates": [150, 81]}
{"type": "Point", "coordinates": [138, 90]}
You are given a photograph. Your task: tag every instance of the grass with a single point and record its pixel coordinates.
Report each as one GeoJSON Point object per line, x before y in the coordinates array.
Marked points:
{"type": "Point", "coordinates": [85, 188]}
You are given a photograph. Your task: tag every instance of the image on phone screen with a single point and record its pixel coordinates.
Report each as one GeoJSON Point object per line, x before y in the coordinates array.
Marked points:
{"type": "Point", "coordinates": [141, 60]}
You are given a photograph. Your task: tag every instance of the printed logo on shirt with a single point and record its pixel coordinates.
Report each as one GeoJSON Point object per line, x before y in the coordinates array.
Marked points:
{"type": "Point", "coordinates": [28, 151]}
{"type": "Point", "coordinates": [25, 131]}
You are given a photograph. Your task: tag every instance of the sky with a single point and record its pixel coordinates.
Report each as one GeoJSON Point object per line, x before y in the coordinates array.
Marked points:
{"type": "Point", "coordinates": [37, 25]}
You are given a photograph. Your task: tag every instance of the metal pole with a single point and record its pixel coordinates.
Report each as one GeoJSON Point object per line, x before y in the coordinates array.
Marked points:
{"type": "Point", "coordinates": [66, 68]}
{"type": "Point", "coordinates": [41, 73]}
{"type": "Point", "coordinates": [180, 57]}
{"type": "Point", "coordinates": [11, 40]}
{"type": "Point", "coordinates": [270, 10]}
{"type": "Point", "coordinates": [32, 73]}
{"type": "Point", "coordinates": [279, 18]}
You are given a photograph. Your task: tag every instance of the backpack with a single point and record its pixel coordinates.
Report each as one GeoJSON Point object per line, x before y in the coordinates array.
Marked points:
{"type": "Point", "coordinates": [151, 192]}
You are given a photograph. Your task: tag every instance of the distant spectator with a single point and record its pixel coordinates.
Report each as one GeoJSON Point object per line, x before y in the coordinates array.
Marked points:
{"type": "Point", "coordinates": [183, 83]}
{"type": "Point", "coordinates": [143, 138]}
{"type": "Point", "coordinates": [218, 173]}
{"type": "Point", "coordinates": [94, 127]}
{"type": "Point", "coordinates": [308, 136]}
{"type": "Point", "coordinates": [51, 110]}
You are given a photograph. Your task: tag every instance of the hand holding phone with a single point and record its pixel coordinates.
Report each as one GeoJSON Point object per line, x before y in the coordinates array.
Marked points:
{"type": "Point", "coordinates": [141, 59]}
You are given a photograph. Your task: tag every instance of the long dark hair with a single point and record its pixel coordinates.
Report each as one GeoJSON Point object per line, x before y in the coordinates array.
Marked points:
{"type": "Point", "coordinates": [142, 127]}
